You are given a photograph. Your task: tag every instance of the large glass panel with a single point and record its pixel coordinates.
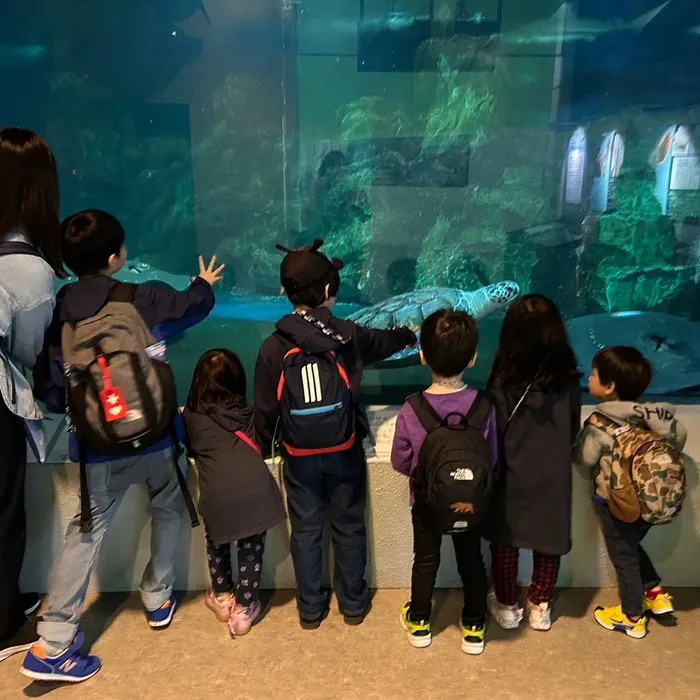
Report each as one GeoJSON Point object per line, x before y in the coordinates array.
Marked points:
{"type": "Point", "coordinates": [452, 144]}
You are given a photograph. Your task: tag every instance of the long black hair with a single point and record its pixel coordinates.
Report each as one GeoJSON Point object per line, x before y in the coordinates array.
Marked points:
{"type": "Point", "coordinates": [534, 345]}
{"type": "Point", "coordinates": [29, 192]}
{"type": "Point", "coordinates": [218, 381]}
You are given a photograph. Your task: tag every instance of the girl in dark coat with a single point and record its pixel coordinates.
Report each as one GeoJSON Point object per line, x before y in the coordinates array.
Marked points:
{"type": "Point", "coordinates": [534, 386]}
{"type": "Point", "coordinates": [239, 499]}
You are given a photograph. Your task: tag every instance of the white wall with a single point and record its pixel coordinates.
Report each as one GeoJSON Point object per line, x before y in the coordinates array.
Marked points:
{"type": "Point", "coordinates": [52, 499]}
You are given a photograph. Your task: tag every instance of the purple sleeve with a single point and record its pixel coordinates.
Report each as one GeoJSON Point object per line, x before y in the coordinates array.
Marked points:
{"type": "Point", "coordinates": [401, 450]}
{"type": "Point", "coordinates": [491, 434]}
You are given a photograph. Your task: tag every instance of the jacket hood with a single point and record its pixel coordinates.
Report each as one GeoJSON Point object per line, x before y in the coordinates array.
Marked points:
{"type": "Point", "coordinates": [230, 419]}
{"type": "Point", "coordinates": [309, 337]}
{"type": "Point", "coordinates": [84, 298]}
{"type": "Point", "coordinates": [657, 417]}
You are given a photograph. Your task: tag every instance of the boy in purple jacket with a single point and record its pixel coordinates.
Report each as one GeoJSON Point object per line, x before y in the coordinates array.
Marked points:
{"type": "Point", "coordinates": [449, 340]}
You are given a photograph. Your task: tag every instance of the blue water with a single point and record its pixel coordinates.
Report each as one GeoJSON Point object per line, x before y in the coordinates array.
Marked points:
{"type": "Point", "coordinates": [426, 151]}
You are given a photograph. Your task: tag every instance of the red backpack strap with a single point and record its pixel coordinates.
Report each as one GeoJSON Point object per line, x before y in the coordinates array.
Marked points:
{"type": "Point", "coordinates": [248, 441]}
{"type": "Point", "coordinates": [341, 369]}
{"type": "Point", "coordinates": [287, 355]}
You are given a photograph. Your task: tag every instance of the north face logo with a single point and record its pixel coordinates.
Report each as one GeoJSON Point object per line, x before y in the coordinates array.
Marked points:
{"type": "Point", "coordinates": [462, 474]}
{"type": "Point", "coordinates": [463, 508]}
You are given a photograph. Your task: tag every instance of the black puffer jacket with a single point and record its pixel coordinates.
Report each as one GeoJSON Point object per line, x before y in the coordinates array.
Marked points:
{"type": "Point", "coordinates": [238, 494]}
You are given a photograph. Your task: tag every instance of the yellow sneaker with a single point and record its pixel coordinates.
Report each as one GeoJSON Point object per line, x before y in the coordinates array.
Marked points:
{"type": "Point", "coordinates": [418, 633]}
{"type": "Point", "coordinates": [472, 638]}
{"type": "Point", "coordinates": [661, 604]}
{"type": "Point", "coordinates": [614, 619]}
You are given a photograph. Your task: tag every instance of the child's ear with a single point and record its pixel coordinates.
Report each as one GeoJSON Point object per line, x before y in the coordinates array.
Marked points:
{"type": "Point", "coordinates": [422, 358]}
{"type": "Point", "coordinates": [327, 292]}
{"type": "Point", "coordinates": [473, 360]}
{"type": "Point", "coordinates": [610, 389]}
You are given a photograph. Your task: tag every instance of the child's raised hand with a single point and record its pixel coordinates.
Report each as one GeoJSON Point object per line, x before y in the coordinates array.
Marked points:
{"type": "Point", "coordinates": [211, 273]}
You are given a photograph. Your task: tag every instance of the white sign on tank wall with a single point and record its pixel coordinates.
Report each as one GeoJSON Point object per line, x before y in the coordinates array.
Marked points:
{"type": "Point", "coordinates": [576, 167]}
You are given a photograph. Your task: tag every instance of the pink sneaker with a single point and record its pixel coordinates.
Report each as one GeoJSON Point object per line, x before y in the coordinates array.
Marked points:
{"type": "Point", "coordinates": [220, 607]}
{"type": "Point", "coordinates": [242, 618]}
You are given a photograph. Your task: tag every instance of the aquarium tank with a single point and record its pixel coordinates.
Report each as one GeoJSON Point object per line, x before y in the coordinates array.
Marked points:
{"type": "Point", "coordinates": [451, 152]}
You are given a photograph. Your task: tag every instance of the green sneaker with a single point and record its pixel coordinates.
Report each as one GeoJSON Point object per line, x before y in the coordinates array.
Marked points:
{"type": "Point", "coordinates": [472, 638]}
{"type": "Point", "coordinates": [418, 633]}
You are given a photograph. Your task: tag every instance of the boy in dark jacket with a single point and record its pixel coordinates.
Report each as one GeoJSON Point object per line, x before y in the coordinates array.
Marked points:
{"type": "Point", "coordinates": [93, 248]}
{"type": "Point", "coordinates": [336, 481]}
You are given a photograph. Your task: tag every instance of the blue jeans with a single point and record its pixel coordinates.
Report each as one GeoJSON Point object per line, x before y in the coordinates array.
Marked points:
{"type": "Point", "coordinates": [337, 483]}
{"type": "Point", "coordinates": [108, 483]}
{"type": "Point", "coordinates": [636, 574]}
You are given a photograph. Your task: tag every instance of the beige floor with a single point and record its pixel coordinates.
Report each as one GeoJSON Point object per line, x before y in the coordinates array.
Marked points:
{"type": "Point", "coordinates": [196, 660]}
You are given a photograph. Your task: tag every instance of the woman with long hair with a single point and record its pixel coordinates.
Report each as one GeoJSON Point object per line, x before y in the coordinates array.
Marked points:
{"type": "Point", "coordinates": [534, 385]}
{"type": "Point", "coordinates": [30, 256]}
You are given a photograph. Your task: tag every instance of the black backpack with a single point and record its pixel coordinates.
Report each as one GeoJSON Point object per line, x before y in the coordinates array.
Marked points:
{"type": "Point", "coordinates": [317, 414]}
{"type": "Point", "coordinates": [454, 474]}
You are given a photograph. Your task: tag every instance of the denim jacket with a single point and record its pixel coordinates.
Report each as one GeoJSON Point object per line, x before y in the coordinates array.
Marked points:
{"type": "Point", "coordinates": [27, 300]}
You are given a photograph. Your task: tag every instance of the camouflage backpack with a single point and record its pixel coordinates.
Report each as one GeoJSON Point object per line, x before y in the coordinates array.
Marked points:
{"type": "Point", "coordinates": [647, 477]}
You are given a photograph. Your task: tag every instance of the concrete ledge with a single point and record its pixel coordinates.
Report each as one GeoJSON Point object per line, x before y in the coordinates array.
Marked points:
{"type": "Point", "coordinates": [52, 499]}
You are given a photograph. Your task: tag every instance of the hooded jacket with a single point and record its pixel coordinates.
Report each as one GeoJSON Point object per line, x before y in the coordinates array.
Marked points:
{"type": "Point", "coordinates": [238, 494]}
{"type": "Point", "coordinates": [594, 448]}
{"type": "Point", "coordinates": [363, 346]}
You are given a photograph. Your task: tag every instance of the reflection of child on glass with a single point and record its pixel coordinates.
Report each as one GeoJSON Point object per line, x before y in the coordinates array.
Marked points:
{"type": "Point", "coordinates": [239, 499]}
{"type": "Point", "coordinates": [334, 203]}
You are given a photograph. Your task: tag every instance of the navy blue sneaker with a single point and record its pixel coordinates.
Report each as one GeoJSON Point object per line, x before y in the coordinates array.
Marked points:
{"type": "Point", "coordinates": [70, 667]}
{"type": "Point", "coordinates": [158, 619]}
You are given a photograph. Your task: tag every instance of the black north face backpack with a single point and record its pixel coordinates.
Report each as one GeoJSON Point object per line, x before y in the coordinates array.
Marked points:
{"type": "Point", "coordinates": [317, 413]}
{"type": "Point", "coordinates": [454, 474]}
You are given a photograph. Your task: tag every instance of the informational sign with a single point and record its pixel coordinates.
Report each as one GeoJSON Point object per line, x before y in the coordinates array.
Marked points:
{"type": "Point", "coordinates": [685, 173]}
{"type": "Point", "coordinates": [611, 156]}
{"type": "Point", "coordinates": [382, 423]}
{"type": "Point", "coordinates": [682, 143]}
{"type": "Point", "coordinates": [576, 167]}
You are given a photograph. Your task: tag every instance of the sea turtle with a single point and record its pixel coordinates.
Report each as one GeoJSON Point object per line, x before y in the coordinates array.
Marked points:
{"type": "Point", "coordinates": [411, 308]}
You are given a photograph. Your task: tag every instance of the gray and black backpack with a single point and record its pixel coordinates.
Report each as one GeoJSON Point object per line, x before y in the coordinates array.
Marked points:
{"type": "Point", "coordinates": [120, 397]}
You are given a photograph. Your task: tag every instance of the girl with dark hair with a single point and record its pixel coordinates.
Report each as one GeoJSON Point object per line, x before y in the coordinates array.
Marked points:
{"type": "Point", "coordinates": [239, 499]}
{"type": "Point", "coordinates": [534, 385]}
{"type": "Point", "coordinates": [30, 255]}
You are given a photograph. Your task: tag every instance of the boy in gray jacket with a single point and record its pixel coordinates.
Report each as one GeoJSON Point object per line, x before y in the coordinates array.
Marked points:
{"type": "Point", "coordinates": [620, 376]}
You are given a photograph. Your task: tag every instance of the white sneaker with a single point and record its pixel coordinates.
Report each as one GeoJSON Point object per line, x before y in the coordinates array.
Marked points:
{"type": "Point", "coordinates": [539, 617]}
{"type": "Point", "coordinates": [508, 617]}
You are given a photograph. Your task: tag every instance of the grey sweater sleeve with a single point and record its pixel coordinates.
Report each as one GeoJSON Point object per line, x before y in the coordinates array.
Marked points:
{"type": "Point", "coordinates": [588, 450]}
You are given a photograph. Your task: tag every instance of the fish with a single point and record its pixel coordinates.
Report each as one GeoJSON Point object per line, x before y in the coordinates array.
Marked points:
{"type": "Point", "coordinates": [13, 55]}
{"type": "Point", "coordinates": [670, 343]}
{"type": "Point", "coordinates": [565, 25]}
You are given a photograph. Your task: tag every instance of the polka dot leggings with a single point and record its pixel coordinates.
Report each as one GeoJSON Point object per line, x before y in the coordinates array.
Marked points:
{"type": "Point", "coordinates": [250, 556]}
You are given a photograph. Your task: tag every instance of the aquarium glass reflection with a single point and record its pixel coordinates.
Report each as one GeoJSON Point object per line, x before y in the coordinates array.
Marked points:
{"type": "Point", "coordinates": [451, 152]}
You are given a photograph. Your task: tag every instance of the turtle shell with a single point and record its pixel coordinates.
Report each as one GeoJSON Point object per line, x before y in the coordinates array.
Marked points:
{"type": "Point", "coordinates": [409, 309]}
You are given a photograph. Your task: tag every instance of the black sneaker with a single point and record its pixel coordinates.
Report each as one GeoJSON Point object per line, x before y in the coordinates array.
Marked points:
{"type": "Point", "coordinates": [20, 643]}
{"type": "Point", "coordinates": [354, 620]}
{"type": "Point", "coordinates": [30, 603]}
{"type": "Point", "coordinates": [312, 623]}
